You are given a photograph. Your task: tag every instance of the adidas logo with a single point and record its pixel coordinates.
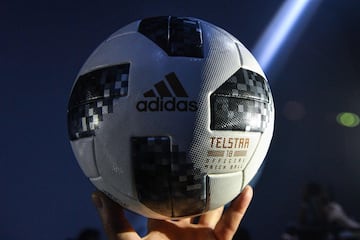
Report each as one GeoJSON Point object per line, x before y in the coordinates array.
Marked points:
{"type": "Point", "coordinates": [168, 95]}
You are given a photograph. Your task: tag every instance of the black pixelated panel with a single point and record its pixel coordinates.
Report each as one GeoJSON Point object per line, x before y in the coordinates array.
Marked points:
{"type": "Point", "coordinates": [185, 38]}
{"type": "Point", "coordinates": [188, 187]}
{"type": "Point", "coordinates": [92, 97]}
{"type": "Point", "coordinates": [175, 35]}
{"type": "Point", "coordinates": [152, 165]}
{"type": "Point", "coordinates": [245, 84]}
{"type": "Point", "coordinates": [165, 182]}
{"type": "Point", "coordinates": [239, 114]}
{"type": "Point", "coordinates": [157, 30]}
{"type": "Point", "coordinates": [241, 103]}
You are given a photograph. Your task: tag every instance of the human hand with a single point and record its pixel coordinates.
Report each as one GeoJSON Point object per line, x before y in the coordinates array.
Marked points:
{"type": "Point", "coordinates": [213, 225]}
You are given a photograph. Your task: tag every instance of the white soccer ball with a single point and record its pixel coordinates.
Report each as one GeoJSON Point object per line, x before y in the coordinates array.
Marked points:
{"type": "Point", "coordinates": [170, 117]}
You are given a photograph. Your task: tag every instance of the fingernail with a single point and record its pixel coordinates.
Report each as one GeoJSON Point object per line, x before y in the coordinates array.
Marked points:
{"type": "Point", "coordinates": [97, 201]}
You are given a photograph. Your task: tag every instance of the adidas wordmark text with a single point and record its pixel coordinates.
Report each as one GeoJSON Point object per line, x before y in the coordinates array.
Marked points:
{"type": "Point", "coordinates": [168, 95]}
{"type": "Point", "coordinates": [171, 105]}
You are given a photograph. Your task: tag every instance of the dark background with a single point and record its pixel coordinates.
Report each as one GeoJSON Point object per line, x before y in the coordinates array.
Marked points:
{"type": "Point", "coordinates": [43, 44]}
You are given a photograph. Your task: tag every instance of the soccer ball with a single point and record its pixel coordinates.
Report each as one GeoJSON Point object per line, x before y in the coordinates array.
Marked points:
{"type": "Point", "coordinates": [170, 117]}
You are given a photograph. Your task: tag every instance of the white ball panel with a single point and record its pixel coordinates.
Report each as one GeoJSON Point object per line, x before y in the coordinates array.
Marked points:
{"type": "Point", "coordinates": [84, 150]}
{"type": "Point", "coordinates": [113, 52]}
{"type": "Point", "coordinates": [223, 188]}
{"type": "Point", "coordinates": [249, 61]}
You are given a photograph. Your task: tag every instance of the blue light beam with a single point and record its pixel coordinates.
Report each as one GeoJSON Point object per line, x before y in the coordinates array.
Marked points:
{"type": "Point", "coordinates": [286, 20]}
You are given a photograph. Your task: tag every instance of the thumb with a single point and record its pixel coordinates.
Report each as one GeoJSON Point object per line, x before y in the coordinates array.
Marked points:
{"type": "Point", "coordinates": [232, 217]}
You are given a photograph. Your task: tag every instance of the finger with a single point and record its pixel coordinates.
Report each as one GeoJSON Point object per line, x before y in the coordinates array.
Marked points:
{"type": "Point", "coordinates": [211, 218]}
{"type": "Point", "coordinates": [163, 229]}
{"type": "Point", "coordinates": [112, 216]}
{"type": "Point", "coordinates": [228, 224]}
